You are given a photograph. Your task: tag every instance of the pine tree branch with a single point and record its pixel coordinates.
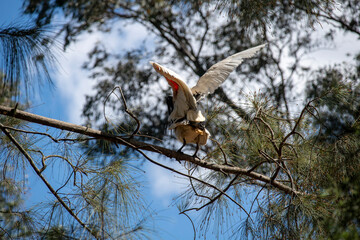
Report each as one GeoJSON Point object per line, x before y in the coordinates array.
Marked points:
{"type": "Point", "coordinates": [24, 54]}
{"type": "Point", "coordinates": [212, 200]}
{"type": "Point", "coordinates": [3, 230]}
{"type": "Point", "coordinates": [48, 185]}
{"type": "Point", "coordinates": [137, 145]}
{"type": "Point", "coordinates": [332, 17]}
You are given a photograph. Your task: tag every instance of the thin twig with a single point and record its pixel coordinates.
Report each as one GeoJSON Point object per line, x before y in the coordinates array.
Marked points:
{"type": "Point", "coordinates": [194, 189]}
{"type": "Point", "coordinates": [222, 192]}
{"type": "Point", "coordinates": [267, 125]}
{"type": "Point", "coordinates": [277, 170]}
{"type": "Point", "coordinates": [257, 195]}
{"type": "Point", "coordinates": [224, 155]}
{"type": "Point", "coordinates": [280, 164]}
{"type": "Point", "coordinates": [47, 135]}
{"type": "Point", "coordinates": [192, 223]}
{"type": "Point", "coordinates": [66, 182]}
{"type": "Point", "coordinates": [37, 171]}
{"type": "Point", "coordinates": [257, 165]}
{"type": "Point", "coordinates": [127, 110]}
{"type": "Point", "coordinates": [147, 136]}
{"type": "Point", "coordinates": [297, 123]}
{"type": "Point", "coordinates": [3, 230]}
{"type": "Point", "coordinates": [271, 139]}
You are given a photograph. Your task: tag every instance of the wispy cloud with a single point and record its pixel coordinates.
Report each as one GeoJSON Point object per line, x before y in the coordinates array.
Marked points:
{"type": "Point", "coordinates": [165, 184]}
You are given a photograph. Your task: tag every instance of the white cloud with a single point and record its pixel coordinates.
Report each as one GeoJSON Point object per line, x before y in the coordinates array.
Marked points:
{"type": "Point", "coordinates": [345, 45]}
{"type": "Point", "coordinates": [165, 184]}
{"type": "Point", "coordinates": [72, 81]}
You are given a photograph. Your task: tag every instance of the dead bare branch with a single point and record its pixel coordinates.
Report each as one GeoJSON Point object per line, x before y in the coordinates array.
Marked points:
{"type": "Point", "coordinates": [127, 110]}
{"type": "Point", "coordinates": [212, 200]}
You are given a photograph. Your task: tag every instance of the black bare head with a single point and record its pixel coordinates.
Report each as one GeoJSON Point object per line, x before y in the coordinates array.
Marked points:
{"type": "Point", "coordinates": [169, 103]}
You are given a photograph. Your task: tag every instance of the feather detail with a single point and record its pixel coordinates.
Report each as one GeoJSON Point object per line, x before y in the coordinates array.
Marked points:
{"type": "Point", "coordinates": [192, 134]}
{"type": "Point", "coordinates": [220, 71]}
{"type": "Point", "coordinates": [182, 96]}
{"type": "Point", "coordinates": [195, 116]}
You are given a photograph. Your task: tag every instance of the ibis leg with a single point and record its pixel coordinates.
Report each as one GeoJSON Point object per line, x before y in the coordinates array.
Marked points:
{"type": "Point", "coordinates": [184, 143]}
{"type": "Point", "coordinates": [197, 149]}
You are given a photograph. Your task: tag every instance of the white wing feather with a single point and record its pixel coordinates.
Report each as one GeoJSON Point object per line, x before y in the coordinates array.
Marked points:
{"type": "Point", "coordinates": [184, 102]}
{"type": "Point", "coordinates": [168, 73]}
{"type": "Point", "coordinates": [220, 71]}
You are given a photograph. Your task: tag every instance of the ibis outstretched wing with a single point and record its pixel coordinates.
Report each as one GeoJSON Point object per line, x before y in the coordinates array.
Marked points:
{"type": "Point", "coordinates": [176, 82]}
{"type": "Point", "coordinates": [220, 71]}
{"type": "Point", "coordinates": [184, 102]}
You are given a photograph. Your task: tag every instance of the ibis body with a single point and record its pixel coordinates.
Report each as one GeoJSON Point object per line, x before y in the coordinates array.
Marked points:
{"type": "Point", "coordinates": [185, 114]}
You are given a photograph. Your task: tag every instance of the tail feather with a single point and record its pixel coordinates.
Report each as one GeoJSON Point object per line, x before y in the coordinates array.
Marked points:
{"type": "Point", "coordinates": [195, 116]}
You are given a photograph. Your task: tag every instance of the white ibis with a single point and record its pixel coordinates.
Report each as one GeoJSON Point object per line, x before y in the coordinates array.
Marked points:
{"type": "Point", "coordinates": [185, 117]}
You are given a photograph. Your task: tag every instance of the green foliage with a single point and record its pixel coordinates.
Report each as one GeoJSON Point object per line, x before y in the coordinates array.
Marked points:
{"type": "Point", "coordinates": [26, 56]}
{"type": "Point", "coordinates": [57, 232]}
{"type": "Point", "coordinates": [308, 165]}
{"type": "Point", "coordinates": [340, 109]}
{"type": "Point", "coordinates": [343, 222]}
{"type": "Point", "coordinates": [15, 222]}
